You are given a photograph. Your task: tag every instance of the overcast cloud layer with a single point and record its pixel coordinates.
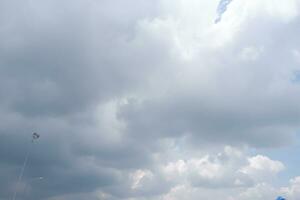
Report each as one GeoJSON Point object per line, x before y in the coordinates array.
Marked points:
{"type": "Point", "coordinates": [148, 100]}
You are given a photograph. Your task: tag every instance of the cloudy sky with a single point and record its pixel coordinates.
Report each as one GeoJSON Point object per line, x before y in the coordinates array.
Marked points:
{"type": "Point", "coordinates": [150, 100]}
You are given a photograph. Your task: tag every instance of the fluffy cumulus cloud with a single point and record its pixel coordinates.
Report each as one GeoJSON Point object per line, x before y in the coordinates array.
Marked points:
{"type": "Point", "coordinates": [148, 99]}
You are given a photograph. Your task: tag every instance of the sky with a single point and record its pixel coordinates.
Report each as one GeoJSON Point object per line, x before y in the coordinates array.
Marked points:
{"type": "Point", "coordinates": [150, 100]}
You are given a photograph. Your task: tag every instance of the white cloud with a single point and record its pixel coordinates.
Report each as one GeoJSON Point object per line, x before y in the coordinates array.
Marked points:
{"type": "Point", "coordinates": [293, 190]}
{"type": "Point", "coordinates": [262, 163]}
{"type": "Point", "coordinates": [259, 191]}
{"type": "Point", "coordinates": [262, 168]}
{"type": "Point", "coordinates": [228, 169]}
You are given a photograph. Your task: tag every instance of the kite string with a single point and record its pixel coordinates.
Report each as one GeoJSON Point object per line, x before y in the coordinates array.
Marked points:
{"type": "Point", "coordinates": [22, 170]}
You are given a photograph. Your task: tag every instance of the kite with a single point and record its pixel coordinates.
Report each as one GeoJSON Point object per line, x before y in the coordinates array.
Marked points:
{"type": "Point", "coordinates": [35, 136]}
{"type": "Point", "coordinates": [222, 7]}
{"type": "Point", "coordinates": [280, 198]}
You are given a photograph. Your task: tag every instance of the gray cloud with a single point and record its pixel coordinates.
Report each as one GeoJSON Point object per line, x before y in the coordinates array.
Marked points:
{"type": "Point", "coordinates": [248, 98]}
{"type": "Point", "coordinates": [57, 63]}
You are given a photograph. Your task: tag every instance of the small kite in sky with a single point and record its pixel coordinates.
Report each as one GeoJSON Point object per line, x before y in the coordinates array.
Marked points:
{"type": "Point", "coordinates": [35, 136]}
{"type": "Point", "coordinates": [280, 198]}
{"type": "Point", "coordinates": [221, 9]}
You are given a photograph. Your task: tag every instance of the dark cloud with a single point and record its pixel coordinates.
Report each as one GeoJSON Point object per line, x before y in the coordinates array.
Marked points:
{"type": "Point", "coordinates": [64, 60]}
{"type": "Point", "coordinates": [58, 61]}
